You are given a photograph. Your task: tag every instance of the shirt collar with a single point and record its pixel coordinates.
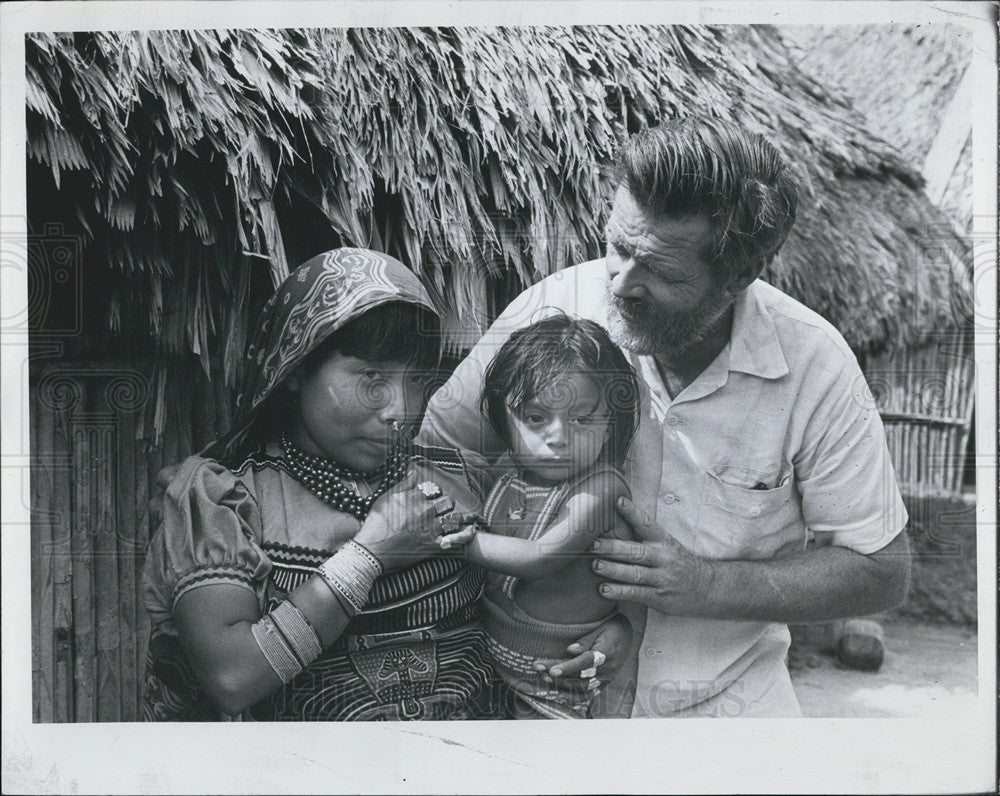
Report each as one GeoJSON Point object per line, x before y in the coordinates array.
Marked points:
{"type": "Point", "coordinates": [754, 344]}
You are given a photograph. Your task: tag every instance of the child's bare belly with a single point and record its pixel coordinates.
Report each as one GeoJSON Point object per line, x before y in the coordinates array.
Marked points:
{"type": "Point", "coordinates": [568, 596]}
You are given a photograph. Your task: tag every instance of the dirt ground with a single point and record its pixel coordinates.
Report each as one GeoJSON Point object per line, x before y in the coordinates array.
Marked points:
{"type": "Point", "coordinates": [928, 670]}
{"type": "Point", "coordinates": [930, 664]}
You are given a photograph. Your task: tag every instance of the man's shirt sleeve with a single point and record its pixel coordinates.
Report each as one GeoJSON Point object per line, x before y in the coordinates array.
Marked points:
{"type": "Point", "coordinates": [844, 472]}
{"type": "Point", "coordinates": [453, 418]}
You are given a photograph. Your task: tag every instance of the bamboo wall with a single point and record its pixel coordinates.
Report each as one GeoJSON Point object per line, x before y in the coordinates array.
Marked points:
{"type": "Point", "coordinates": [93, 469]}
{"type": "Point", "coordinates": [925, 396]}
{"type": "Point", "coordinates": [94, 465]}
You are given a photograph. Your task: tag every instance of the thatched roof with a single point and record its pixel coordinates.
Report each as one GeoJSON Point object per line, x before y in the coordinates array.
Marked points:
{"type": "Point", "coordinates": [193, 162]}
{"type": "Point", "coordinates": [904, 79]}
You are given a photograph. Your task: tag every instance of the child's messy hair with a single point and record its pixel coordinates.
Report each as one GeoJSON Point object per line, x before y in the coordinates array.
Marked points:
{"type": "Point", "coordinates": [534, 356]}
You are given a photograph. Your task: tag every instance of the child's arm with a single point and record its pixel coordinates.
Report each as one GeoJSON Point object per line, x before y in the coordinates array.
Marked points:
{"type": "Point", "coordinates": [588, 513]}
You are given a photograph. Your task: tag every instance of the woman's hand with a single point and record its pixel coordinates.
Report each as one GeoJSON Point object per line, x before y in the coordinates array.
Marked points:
{"type": "Point", "coordinates": [404, 527]}
{"type": "Point", "coordinates": [603, 649]}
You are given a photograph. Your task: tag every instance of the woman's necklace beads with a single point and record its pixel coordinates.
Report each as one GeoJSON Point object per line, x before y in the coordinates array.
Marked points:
{"type": "Point", "coordinates": [326, 480]}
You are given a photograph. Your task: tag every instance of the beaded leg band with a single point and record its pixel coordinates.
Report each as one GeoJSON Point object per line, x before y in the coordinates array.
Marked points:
{"type": "Point", "coordinates": [350, 573]}
{"type": "Point", "coordinates": [287, 640]}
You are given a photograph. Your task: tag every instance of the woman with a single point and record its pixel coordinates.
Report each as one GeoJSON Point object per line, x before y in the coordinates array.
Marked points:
{"type": "Point", "coordinates": [239, 615]}
{"type": "Point", "coordinates": [276, 583]}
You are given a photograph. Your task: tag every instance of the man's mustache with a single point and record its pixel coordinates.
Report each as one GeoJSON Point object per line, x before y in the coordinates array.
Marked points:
{"type": "Point", "coordinates": [632, 306]}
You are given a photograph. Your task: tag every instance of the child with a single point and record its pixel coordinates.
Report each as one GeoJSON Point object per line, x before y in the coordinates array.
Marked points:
{"type": "Point", "coordinates": [565, 399]}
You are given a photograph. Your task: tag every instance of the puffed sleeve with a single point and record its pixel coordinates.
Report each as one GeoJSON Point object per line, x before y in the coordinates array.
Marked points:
{"type": "Point", "coordinates": [210, 534]}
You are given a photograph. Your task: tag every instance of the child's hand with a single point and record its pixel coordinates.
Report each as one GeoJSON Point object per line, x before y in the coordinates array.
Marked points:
{"type": "Point", "coordinates": [602, 650]}
{"type": "Point", "coordinates": [468, 526]}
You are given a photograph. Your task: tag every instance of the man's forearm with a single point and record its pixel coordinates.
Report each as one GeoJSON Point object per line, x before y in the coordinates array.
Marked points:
{"type": "Point", "coordinates": [816, 585]}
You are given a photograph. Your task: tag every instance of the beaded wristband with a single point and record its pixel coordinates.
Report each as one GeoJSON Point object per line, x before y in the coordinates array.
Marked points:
{"type": "Point", "coordinates": [351, 586]}
{"type": "Point", "coordinates": [339, 591]}
{"type": "Point", "coordinates": [364, 551]}
{"type": "Point", "coordinates": [350, 572]}
{"type": "Point", "coordinates": [275, 649]}
{"type": "Point", "coordinates": [297, 632]}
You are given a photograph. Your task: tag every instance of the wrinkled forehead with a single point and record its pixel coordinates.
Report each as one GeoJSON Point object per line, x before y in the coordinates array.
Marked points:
{"type": "Point", "coordinates": [629, 217]}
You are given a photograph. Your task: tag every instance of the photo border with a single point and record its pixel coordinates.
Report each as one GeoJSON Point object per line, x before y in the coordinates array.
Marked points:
{"type": "Point", "coordinates": [804, 755]}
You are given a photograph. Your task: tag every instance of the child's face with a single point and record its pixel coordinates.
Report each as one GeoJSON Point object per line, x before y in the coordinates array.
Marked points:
{"type": "Point", "coordinates": [561, 431]}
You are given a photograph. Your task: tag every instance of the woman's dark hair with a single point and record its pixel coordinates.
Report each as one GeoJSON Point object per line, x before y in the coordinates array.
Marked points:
{"type": "Point", "coordinates": [532, 357]}
{"type": "Point", "coordinates": [706, 166]}
{"type": "Point", "coordinates": [393, 332]}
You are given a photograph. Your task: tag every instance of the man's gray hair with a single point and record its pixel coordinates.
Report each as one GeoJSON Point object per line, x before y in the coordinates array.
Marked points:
{"type": "Point", "coordinates": [705, 166]}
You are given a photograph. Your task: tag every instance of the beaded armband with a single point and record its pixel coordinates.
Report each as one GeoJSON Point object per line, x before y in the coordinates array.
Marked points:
{"type": "Point", "coordinates": [287, 640]}
{"type": "Point", "coordinates": [350, 573]}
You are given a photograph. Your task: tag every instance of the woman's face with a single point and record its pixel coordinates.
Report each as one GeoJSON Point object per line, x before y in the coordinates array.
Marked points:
{"type": "Point", "coordinates": [347, 406]}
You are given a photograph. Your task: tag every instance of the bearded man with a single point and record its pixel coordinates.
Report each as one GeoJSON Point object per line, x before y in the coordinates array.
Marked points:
{"type": "Point", "coordinates": [758, 431]}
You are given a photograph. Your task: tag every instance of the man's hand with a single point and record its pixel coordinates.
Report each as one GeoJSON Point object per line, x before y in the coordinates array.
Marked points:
{"type": "Point", "coordinates": [657, 571]}
{"type": "Point", "coordinates": [603, 649]}
{"type": "Point", "coordinates": [810, 586]}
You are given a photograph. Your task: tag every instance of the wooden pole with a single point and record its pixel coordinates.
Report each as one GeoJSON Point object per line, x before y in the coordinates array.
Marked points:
{"type": "Point", "coordinates": [64, 698]}
{"type": "Point", "coordinates": [143, 468]}
{"type": "Point", "coordinates": [42, 580]}
{"type": "Point", "coordinates": [908, 475]}
{"type": "Point", "coordinates": [943, 462]}
{"type": "Point", "coordinates": [938, 365]}
{"type": "Point", "coordinates": [926, 446]}
{"type": "Point", "coordinates": [146, 527]}
{"type": "Point", "coordinates": [968, 389]}
{"type": "Point", "coordinates": [84, 633]}
{"type": "Point", "coordinates": [126, 485]}
{"type": "Point", "coordinates": [892, 439]}
{"type": "Point", "coordinates": [955, 397]}
{"type": "Point", "coordinates": [106, 597]}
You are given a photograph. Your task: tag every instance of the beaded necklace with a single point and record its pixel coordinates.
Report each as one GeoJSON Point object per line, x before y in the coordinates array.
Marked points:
{"type": "Point", "coordinates": [326, 480]}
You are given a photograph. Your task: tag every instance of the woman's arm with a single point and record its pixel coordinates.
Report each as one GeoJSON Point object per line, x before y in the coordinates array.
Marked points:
{"type": "Point", "coordinates": [215, 621]}
{"type": "Point", "coordinates": [587, 514]}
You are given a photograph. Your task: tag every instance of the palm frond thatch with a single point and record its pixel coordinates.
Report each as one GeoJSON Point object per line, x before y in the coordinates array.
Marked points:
{"type": "Point", "coordinates": [875, 66]}
{"type": "Point", "coordinates": [476, 155]}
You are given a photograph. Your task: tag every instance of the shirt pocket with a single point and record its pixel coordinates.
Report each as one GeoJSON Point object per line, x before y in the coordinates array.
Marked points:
{"type": "Point", "coordinates": [753, 523]}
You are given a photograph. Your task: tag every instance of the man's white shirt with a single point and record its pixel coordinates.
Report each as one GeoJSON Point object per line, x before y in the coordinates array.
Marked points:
{"type": "Point", "coordinates": [778, 438]}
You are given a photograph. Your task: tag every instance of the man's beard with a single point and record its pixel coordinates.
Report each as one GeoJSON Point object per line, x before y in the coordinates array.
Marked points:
{"type": "Point", "coordinates": [642, 328]}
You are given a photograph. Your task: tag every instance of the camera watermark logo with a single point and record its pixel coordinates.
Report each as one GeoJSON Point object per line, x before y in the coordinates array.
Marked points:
{"type": "Point", "coordinates": [51, 264]}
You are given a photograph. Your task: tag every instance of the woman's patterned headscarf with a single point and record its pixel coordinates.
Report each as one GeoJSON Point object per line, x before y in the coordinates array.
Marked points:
{"type": "Point", "coordinates": [318, 298]}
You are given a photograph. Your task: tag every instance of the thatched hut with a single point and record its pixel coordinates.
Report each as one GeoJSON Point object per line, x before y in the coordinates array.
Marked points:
{"type": "Point", "coordinates": [925, 112]}
{"type": "Point", "coordinates": [925, 390]}
{"type": "Point", "coordinates": [178, 173]}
